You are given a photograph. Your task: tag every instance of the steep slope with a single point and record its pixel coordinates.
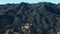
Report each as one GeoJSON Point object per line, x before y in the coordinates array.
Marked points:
{"type": "Point", "coordinates": [44, 17]}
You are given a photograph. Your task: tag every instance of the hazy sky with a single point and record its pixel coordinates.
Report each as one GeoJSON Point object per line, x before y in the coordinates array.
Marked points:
{"type": "Point", "coordinates": [29, 1]}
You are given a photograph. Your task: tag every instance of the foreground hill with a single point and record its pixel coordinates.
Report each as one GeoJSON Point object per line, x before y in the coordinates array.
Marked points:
{"type": "Point", "coordinates": [44, 17]}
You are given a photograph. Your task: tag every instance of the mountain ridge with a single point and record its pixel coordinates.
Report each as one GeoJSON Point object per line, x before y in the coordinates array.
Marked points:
{"type": "Point", "coordinates": [44, 17]}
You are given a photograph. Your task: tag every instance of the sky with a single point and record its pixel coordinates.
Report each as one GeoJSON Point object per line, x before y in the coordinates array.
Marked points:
{"type": "Point", "coordinates": [28, 1]}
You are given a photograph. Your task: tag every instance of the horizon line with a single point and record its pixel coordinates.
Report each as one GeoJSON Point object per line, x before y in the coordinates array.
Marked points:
{"type": "Point", "coordinates": [27, 2]}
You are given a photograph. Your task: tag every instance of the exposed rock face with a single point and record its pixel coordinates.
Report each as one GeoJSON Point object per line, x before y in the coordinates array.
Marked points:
{"type": "Point", "coordinates": [44, 17]}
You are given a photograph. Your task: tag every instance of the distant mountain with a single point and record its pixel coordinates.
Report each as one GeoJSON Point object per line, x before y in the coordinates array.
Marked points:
{"type": "Point", "coordinates": [44, 17]}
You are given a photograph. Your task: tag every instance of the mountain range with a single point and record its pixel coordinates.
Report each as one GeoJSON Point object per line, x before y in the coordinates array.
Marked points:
{"type": "Point", "coordinates": [44, 17]}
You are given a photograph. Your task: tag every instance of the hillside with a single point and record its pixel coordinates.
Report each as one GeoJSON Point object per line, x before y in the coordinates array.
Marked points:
{"type": "Point", "coordinates": [44, 17]}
